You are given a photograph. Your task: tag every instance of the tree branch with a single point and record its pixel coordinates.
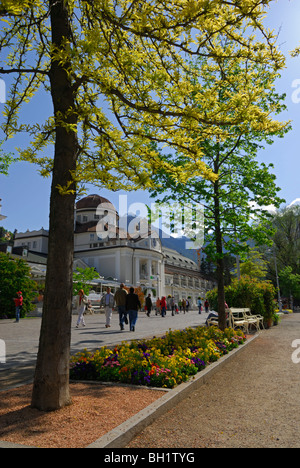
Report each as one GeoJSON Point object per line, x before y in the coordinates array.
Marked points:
{"type": "Point", "coordinates": [23, 70]}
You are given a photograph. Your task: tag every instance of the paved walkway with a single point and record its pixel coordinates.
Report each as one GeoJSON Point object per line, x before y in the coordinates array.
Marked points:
{"type": "Point", "coordinates": [253, 401]}
{"type": "Point", "coordinates": [22, 339]}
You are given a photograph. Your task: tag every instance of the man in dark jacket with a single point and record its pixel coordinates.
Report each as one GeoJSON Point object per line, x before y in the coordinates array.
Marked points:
{"type": "Point", "coordinates": [120, 300]}
{"type": "Point", "coordinates": [132, 306]}
{"type": "Point", "coordinates": [149, 305]}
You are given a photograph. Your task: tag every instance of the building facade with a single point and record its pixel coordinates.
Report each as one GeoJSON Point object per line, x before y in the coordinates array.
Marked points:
{"type": "Point", "coordinates": [35, 241]}
{"type": "Point", "coordinates": [120, 253]}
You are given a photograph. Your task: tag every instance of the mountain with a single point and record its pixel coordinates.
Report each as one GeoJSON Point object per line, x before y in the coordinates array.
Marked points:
{"type": "Point", "coordinates": [179, 244]}
{"type": "Point", "coordinates": [175, 243]}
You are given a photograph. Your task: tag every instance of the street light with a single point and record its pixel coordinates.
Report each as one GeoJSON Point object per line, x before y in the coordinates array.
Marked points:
{"type": "Point", "coordinates": [278, 286]}
{"type": "Point", "coordinates": [277, 279]}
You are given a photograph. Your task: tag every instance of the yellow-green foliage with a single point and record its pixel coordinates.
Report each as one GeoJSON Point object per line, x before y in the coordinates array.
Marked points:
{"type": "Point", "coordinates": [134, 83]}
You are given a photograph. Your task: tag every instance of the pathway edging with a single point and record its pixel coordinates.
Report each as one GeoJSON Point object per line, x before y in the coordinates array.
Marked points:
{"type": "Point", "coordinates": [123, 434]}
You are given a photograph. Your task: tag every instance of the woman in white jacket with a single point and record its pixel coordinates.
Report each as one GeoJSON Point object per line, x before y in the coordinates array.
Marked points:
{"type": "Point", "coordinates": [81, 303]}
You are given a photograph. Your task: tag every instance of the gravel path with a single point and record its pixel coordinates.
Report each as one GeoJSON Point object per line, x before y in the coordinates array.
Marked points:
{"type": "Point", "coordinates": [253, 401]}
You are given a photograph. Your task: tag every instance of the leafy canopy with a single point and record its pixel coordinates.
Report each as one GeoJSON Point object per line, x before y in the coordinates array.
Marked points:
{"type": "Point", "coordinates": [235, 203]}
{"type": "Point", "coordinates": [289, 282]}
{"type": "Point", "coordinates": [83, 277]}
{"type": "Point", "coordinates": [129, 65]}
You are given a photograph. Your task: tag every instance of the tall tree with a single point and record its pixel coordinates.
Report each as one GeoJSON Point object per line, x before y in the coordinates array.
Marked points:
{"type": "Point", "coordinates": [255, 266]}
{"type": "Point", "coordinates": [286, 223]}
{"type": "Point", "coordinates": [290, 284]}
{"type": "Point", "coordinates": [118, 78]}
{"type": "Point", "coordinates": [235, 203]}
{"type": "Point", "coordinates": [284, 257]}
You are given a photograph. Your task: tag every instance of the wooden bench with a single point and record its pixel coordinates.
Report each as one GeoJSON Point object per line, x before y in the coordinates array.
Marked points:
{"type": "Point", "coordinates": [256, 320]}
{"type": "Point", "coordinates": [214, 321]}
{"type": "Point", "coordinates": [238, 319]}
{"type": "Point", "coordinates": [244, 318]}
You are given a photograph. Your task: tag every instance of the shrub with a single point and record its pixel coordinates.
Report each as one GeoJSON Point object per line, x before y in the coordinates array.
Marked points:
{"type": "Point", "coordinates": [14, 277]}
{"type": "Point", "coordinates": [250, 293]}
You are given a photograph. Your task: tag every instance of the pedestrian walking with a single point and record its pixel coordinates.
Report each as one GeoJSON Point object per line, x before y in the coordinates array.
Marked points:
{"type": "Point", "coordinates": [199, 305]}
{"type": "Point", "coordinates": [163, 305]}
{"type": "Point", "coordinates": [120, 300]}
{"type": "Point", "coordinates": [180, 305]}
{"type": "Point", "coordinates": [148, 305]}
{"type": "Point", "coordinates": [108, 302]}
{"type": "Point", "coordinates": [158, 308]}
{"type": "Point", "coordinates": [184, 305]}
{"type": "Point", "coordinates": [187, 305]}
{"type": "Point", "coordinates": [132, 306]}
{"type": "Point", "coordinates": [206, 305]}
{"type": "Point", "coordinates": [19, 305]}
{"type": "Point", "coordinates": [172, 303]}
{"type": "Point", "coordinates": [81, 303]}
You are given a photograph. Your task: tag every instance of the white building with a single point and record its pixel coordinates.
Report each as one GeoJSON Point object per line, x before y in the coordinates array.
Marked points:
{"type": "Point", "coordinates": [35, 241]}
{"type": "Point", "coordinates": [132, 261]}
{"type": "Point", "coordinates": [119, 253]}
{"type": "Point", "coordinates": [182, 278]}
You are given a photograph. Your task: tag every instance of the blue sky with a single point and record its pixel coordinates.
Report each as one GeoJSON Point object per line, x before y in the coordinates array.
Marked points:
{"type": "Point", "coordinates": [25, 194]}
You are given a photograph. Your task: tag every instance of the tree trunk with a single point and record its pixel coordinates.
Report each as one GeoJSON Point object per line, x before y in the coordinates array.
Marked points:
{"type": "Point", "coordinates": [221, 294]}
{"type": "Point", "coordinates": [51, 382]}
{"type": "Point", "coordinates": [220, 259]}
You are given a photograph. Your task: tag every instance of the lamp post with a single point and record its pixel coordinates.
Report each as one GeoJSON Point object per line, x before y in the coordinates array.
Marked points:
{"type": "Point", "coordinates": [277, 278]}
{"type": "Point", "coordinates": [278, 286]}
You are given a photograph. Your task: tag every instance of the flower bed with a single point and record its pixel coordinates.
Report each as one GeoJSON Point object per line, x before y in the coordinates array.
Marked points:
{"type": "Point", "coordinates": [161, 362]}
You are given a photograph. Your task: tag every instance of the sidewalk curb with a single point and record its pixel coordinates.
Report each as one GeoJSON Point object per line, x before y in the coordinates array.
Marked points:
{"type": "Point", "coordinates": [123, 434]}
{"type": "Point", "coordinates": [10, 445]}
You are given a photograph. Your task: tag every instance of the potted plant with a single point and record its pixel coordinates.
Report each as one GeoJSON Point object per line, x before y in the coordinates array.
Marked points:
{"type": "Point", "coordinates": [276, 319]}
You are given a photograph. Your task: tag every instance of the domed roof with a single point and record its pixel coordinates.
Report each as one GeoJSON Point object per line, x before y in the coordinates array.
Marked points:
{"type": "Point", "coordinates": [91, 201]}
